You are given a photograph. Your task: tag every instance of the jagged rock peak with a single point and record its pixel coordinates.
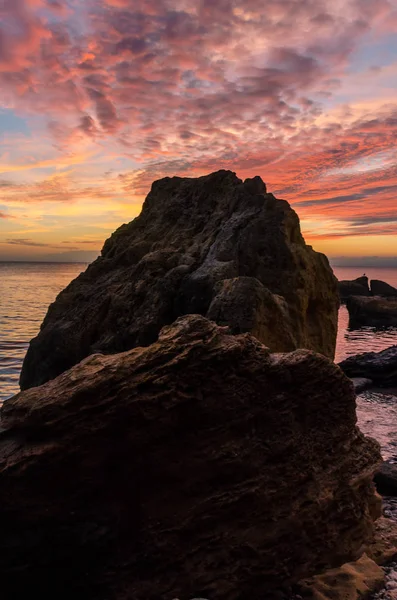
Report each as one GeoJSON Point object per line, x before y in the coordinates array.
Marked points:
{"type": "Point", "coordinates": [212, 245]}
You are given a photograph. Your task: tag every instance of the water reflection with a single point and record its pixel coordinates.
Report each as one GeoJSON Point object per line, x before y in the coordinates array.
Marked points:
{"type": "Point", "coordinates": [377, 417]}
{"type": "Point", "coordinates": [26, 290]}
{"type": "Point", "coordinates": [364, 339]}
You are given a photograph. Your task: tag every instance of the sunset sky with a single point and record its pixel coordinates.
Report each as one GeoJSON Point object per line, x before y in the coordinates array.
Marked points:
{"type": "Point", "coordinates": [100, 97]}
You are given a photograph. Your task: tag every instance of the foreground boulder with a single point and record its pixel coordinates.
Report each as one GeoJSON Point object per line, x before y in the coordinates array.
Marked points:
{"type": "Point", "coordinates": [375, 311]}
{"type": "Point", "coordinates": [214, 246]}
{"type": "Point", "coordinates": [356, 287]}
{"type": "Point", "coordinates": [381, 288]}
{"type": "Point", "coordinates": [200, 466]}
{"type": "Point", "coordinates": [379, 367]}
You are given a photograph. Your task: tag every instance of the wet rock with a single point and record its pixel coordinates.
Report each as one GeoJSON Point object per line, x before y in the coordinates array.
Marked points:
{"type": "Point", "coordinates": [380, 288]}
{"type": "Point", "coordinates": [361, 383]}
{"type": "Point", "coordinates": [375, 311]}
{"type": "Point", "coordinates": [355, 287]}
{"type": "Point", "coordinates": [197, 247]}
{"type": "Point", "coordinates": [380, 367]}
{"type": "Point", "coordinates": [155, 473]}
{"type": "Point", "coordinates": [386, 479]}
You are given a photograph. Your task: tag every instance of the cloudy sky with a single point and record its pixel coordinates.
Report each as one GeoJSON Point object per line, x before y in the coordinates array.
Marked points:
{"type": "Point", "coordinates": [100, 97]}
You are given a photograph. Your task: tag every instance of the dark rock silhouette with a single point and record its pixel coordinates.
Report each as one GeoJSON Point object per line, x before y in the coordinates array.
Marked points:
{"type": "Point", "coordinates": [355, 287]}
{"type": "Point", "coordinates": [214, 246]}
{"type": "Point", "coordinates": [200, 466]}
{"type": "Point", "coordinates": [361, 384]}
{"type": "Point", "coordinates": [386, 479]}
{"type": "Point", "coordinates": [381, 288]}
{"type": "Point", "coordinates": [375, 310]}
{"type": "Point", "coordinates": [380, 367]}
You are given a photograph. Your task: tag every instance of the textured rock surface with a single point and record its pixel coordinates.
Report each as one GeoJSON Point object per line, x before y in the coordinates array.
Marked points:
{"type": "Point", "coordinates": [383, 547]}
{"type": "Point", "coordinates": [214, 246]}
{"type": "Point", "coordinates": [380, 367]}
{"type": "Point", "coordinates": [356, 287]}
{"type": "Point", "coordinates": [359, 579]}
{"type": "Point", "coordinates": [380, 288]}
{"type": "Point", "coordinates": [354, 581]}
{"type": "Point", "coordinates": [376, 311]}
{"type": "Point", "coordinates": [200, 466]}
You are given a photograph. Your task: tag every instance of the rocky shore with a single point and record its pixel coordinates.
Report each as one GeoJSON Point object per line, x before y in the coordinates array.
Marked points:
{"type": "Point", "coordinates": [374, 375]}
{"type": "Point", "coordinates": [182, 443]}
{"type": "Point", "coordinates": [369, 303]}
{"type": "Point", "coordinates": [375, 311]}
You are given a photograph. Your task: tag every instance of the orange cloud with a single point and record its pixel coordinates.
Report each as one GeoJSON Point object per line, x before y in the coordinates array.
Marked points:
{"type": "Point", "coordinates": [149, 88]}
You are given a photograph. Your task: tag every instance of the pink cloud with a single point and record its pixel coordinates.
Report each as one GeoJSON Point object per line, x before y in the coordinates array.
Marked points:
{"type": "Point", "coordinates": [188, 87]}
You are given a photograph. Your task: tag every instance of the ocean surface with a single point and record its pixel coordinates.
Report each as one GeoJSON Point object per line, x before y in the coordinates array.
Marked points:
{"type": "Point", "coordinates": [27, 289]}
{"type": "Point", "coordinates": [364, 339]}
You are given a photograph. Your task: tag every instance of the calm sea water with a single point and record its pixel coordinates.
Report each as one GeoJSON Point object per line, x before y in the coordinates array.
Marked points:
{"type": "Point", "coordinates": [365, 339]}
{"type": "Point", "coordinates": [26, 290]}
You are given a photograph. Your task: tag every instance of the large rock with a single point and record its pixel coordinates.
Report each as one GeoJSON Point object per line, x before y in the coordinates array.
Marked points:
{"type": "Point", "coordinates": [214, 246]}
{"type": "Point", "coordinates": [200, 466]}
{"type": "Point", "coordinates": [355, 287]}
{"type": "Point", "coordinates": [380, 288]}
{"type": "Point", "coordinates": [375, 311]}
{"type": "Point", "coordinates": [380, 367]}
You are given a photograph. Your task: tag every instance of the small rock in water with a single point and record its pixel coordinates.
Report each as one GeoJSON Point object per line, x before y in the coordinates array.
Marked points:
{"type": "Point", "coordinates": [386, 479]}
{"type": "Point", "coordinates": [381, 367]}
{"type": "Point", "coordinates": [361, 384]}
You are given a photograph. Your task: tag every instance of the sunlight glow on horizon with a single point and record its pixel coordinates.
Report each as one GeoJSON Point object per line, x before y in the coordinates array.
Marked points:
{"type": "Point", "coordinates": [98, 101]}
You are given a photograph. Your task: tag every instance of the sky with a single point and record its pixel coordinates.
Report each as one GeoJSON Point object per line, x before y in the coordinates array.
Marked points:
{"type": "Point", "coordinates": [98, 98]}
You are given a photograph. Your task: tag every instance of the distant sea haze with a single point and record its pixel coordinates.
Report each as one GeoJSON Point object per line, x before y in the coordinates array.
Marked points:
{"type": "Point", "coordinates": [27, 289]}
{"type": "Point", "coordinates": [388, 274]}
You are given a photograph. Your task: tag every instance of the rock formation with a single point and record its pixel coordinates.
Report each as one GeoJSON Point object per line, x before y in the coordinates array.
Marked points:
{"type": "Point", "coordinates": [376, 311]}
{"type": "Point", "coordinates": [356, 287]}
{"type": "Point", "coordinates": [380, 367]}
{"type": "Point", "coordinates": [380, 288]}
{"type": "Point", "coordinates": [199, 466]}
{"type": "Point", "coordinates": [214, 246]}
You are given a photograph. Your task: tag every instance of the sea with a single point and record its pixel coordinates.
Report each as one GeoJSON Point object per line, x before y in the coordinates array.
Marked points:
{"type": "Point", "coordinates": [27, 289]}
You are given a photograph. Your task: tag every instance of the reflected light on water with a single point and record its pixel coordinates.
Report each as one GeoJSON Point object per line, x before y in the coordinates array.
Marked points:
{"type": "Point", "coordinates": [26, 290]}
